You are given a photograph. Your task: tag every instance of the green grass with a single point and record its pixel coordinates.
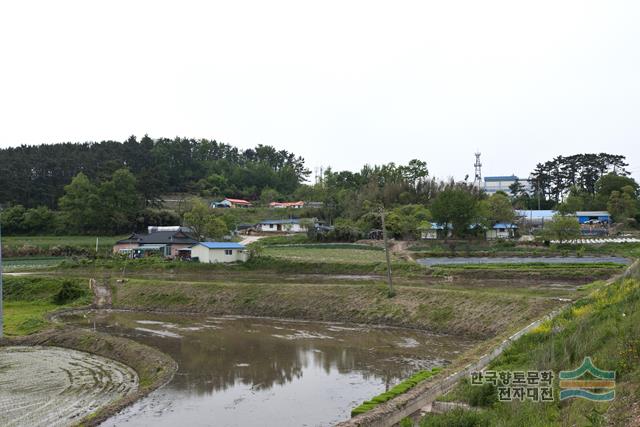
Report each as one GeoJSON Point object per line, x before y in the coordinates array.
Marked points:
{"type": "Point", "coordinates": [30, 263]}
{"type": "Point", "coordinates": [46, 242]}
{"type": "Point", "coordinates": [346, 255]}
{"type": "Point", "coordinates": [283, 240]}
{"type": "Point", "coordinates": [28, 299]}
{"type": "Point", "coordinates": [497, 248]}
{"type": "Point", "coordinates": [397, 390]}
{"type": "Point", "coordinates": [280, 260]}
{"type": "Point", "coordinates": [25, 317]}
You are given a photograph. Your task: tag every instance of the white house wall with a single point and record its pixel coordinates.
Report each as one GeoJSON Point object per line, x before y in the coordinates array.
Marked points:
{"type": "Point", "coordinates": [214, 256]}
{"type": "Point", "coordinates": [284, 228]}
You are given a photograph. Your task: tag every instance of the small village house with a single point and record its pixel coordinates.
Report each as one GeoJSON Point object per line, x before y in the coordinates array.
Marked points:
{"type": "Point", "coordinates": [231, 203]}
{"type": "Point", "coordinates": [219, 252]}
{"type": "Point", "coordinates": [501, 231]}
{"type": "Point", "coordinates": [281, 226]}
{"type": "Point", "coordinates": [169, 242]}
{"type": "Point", "coordinates": [284, 205]}
{"type": "Point", "coordinates": [436, 231]}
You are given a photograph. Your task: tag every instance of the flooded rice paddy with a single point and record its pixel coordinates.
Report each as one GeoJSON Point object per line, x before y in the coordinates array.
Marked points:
{"type": "Point", "coordinates": [236, 371]}
{"type": "Point", "coordinates": [50, 386]}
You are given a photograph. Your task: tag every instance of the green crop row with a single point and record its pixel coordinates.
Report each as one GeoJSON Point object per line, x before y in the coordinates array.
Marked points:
{"type": "Point", "coordinates": [397, 390]}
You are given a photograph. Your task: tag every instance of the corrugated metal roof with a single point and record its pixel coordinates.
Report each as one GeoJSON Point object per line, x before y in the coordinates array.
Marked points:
{"type": "Point", "coordinates": [222, 245]}
{"type": "Point", "coordinates": [592, 213]}
{"type": "Point", "coordinates": [500, 178]}
{"type": "Point", "coordinates": [237, 201]}
{"type": "Point", "coordinates": [536, 214]}
{"type": "Point", "coordinates": [161, 238]}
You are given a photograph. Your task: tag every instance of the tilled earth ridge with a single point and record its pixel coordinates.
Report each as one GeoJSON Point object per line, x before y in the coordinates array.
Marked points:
{"type": "Point", "coordinates": [52, 386]}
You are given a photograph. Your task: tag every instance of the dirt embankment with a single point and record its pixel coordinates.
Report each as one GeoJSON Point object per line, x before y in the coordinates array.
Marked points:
{"type": "Point", "coordinates": [153, 367]}
{"type": "Point", "coordinates": [471, 314]}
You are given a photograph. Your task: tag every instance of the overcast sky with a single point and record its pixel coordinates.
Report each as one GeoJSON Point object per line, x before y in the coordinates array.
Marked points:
{"type": "Point", "coordinates": [342, 83]}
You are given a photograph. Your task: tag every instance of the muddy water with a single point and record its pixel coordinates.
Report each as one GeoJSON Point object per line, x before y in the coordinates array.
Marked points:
{"type": "Point", "coordinates": [264, 372]}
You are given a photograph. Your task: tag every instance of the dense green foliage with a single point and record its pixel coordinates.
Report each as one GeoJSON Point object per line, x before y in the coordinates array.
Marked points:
{"type": "Point", "coordinates": [43, 289]}
{"type": "Point", "coordinates": [562, 228]}
{"type": "Point", "coordinates": [116, 188]}
{"type": "Point", "coordinates": [36, 175]}
{"type": "Point", "coordinates": [456, 208]}
{"type": "Point", "coordinates": [552, 179]}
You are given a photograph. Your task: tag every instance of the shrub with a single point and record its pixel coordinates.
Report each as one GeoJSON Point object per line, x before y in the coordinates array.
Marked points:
{"type": "Point", "coordinates": [455, 418]}
{"type": "Point", "coordinates": [68, 292]}
{"type": "Point", "coordinates": [484, 395]}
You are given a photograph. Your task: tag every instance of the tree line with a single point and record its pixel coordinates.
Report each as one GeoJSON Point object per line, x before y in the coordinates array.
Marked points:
{"type": "Point", "coordinates": [36, 175]}
{"type": "Point", "coordinates": [113, 187]}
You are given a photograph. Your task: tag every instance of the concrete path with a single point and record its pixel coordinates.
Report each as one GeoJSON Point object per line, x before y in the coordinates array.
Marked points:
{"type": "Point", "coordinates": [250, 239]}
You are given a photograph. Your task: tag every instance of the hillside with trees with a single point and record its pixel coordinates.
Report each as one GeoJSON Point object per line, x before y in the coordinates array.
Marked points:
{"type": "Point", "coordinates": [117, 187]}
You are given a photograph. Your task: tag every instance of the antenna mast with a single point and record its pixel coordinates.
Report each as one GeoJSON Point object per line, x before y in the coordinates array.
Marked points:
{"type": "Point", "coordinates": [477, 180]}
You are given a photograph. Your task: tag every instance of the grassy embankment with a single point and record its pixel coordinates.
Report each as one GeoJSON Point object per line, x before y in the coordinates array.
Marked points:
{"type": "Point", "coordinates": [483, 248]}
{"type": "Point", "coordinates": [446, 308]}
{"type": "Point", "coordinates": [449, 311]}
{"type": "Point", "coordinates": [603, 326]}
{"type": "Point", "coordinates": [28, 299]}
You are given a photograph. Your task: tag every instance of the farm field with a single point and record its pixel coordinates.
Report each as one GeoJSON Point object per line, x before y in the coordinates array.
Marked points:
{"type": "Point", "coordinates": [330, 254]}
{"type": "Point", "coordinates": [45, 242]}
{"type": "Point", "coordinates": [30, 263]}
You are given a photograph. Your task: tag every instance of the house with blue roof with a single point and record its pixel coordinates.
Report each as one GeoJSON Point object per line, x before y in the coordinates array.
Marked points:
{"type": "Point", "coordinates": [501, 230]}
{"type": "Point", "coordinates": [219, 252]}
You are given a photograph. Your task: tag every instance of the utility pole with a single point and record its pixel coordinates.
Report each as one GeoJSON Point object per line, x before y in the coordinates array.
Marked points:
{"type": "Point", "coordinates": [538, 193]}
{"type": "Point", "coordinates": [386, 252]}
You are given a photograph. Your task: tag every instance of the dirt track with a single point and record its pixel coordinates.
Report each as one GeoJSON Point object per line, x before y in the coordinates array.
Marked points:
{"type": "Point", "coordinates": [52, 386]}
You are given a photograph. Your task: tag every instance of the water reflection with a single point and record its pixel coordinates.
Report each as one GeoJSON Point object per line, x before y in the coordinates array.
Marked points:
{"type": "Point", "coordinates": [271, 364]}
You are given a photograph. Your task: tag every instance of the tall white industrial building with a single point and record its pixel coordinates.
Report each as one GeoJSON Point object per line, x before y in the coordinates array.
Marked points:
{"type": "Point", "coordinates": [493, 184]}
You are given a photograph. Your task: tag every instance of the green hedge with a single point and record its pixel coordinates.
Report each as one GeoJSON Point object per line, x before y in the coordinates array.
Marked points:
{"type": "Point", "coordinates": [397, 390]}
